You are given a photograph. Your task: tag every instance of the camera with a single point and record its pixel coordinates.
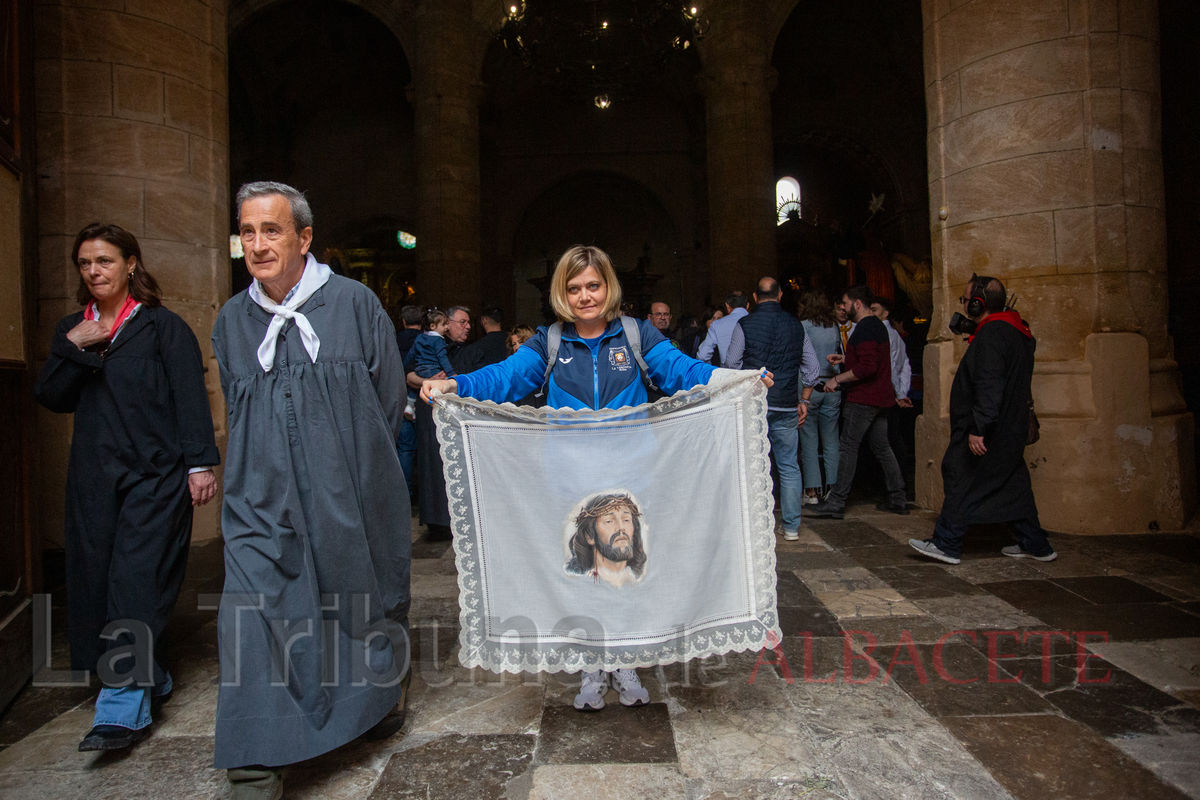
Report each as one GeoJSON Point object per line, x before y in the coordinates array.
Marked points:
{"type": "Point", "coordinates": [963, 326]}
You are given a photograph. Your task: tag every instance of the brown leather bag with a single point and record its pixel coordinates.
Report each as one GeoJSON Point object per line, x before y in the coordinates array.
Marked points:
{"type": "Point", "coordinates": [1035, 432]}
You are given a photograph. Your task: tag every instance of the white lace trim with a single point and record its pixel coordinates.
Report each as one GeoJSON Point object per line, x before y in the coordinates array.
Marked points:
{"type": "Point", "coordinates": [703, 640]}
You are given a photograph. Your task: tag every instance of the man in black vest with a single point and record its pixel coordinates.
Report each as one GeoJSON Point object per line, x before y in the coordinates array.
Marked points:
{"type": "Point", "coordinates": [772, 338]}
{"type": "Point", "coordinates": [984, 472]}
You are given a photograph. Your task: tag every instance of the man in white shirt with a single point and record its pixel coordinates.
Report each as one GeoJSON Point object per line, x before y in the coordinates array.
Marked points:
{"type": "Point", "coordinates": [901, 368]}
{"type": "Point", "coordinates": [721, 331]}
{"type": "Point", "coordinates": [901, 382]}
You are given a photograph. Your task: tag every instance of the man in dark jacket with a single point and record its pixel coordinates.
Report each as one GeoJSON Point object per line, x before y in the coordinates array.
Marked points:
{"type": "Point", "coordinates": [773, 338]}
{"type": "Point", "coordinates": [983, 471]}
{"type": "Point", "coordinates": [867, 379]}
{"type": "Point", "coordinates": [410, 318]}
{"type": "Point", "coordinates": [491, 348]}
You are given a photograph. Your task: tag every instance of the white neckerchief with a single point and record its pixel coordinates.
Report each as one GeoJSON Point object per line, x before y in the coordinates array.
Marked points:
{"type": "Point", "coordinates": [314, 277]}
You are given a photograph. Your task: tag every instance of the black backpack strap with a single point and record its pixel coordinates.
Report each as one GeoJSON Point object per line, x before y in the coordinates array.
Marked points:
{"type": "Point", "coordinates": [553, 340]}
{"type": "Point", "coordinates": [634, 336]}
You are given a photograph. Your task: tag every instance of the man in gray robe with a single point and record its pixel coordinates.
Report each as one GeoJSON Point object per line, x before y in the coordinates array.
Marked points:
{"type": "Point", "coordinates": [317, 530]}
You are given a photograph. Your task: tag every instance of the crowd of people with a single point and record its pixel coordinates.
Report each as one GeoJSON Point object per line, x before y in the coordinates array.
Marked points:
{"type": "Point", "coordinates": [329, 411]}
{"type": "Point", "coordinates": [433, 345]}
{"type": "Point", "coordinates": [843, 360]}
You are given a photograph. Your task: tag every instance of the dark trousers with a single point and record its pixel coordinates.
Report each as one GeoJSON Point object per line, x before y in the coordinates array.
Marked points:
{"type": "Point", "coordinates": [431, 480]}
{"type": "Point", "coordinates": [898, 434]}
{"type": "Point", "coordinates": [861, 421]}
{"type": "Point", "coordinates": [406, 448]}
{"type": "Point", "coordinates": [948, 536]}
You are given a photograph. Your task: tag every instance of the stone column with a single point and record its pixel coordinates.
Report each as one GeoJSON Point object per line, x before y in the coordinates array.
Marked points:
{"type": "Point", "coordinates": [739, 80]}
{"type": "Point", "coordinates": [1046, 172]}
{"type": "Point", "coordinates": [132, 129]}
{"type": "Point", "coordinates": [445, 95]}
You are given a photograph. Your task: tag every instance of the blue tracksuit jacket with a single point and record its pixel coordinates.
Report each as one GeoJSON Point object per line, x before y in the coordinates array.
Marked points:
{"type": "Point", "coordinates": [607, 379]}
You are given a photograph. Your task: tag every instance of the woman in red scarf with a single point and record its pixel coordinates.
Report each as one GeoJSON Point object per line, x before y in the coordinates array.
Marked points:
{"type": "Point", "coordinates": [141, 457]}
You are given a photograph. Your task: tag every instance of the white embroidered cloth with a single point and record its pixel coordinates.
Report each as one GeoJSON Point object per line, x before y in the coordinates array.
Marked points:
{"type": "Point", "coordinates": [314, 277]}
{"type": "Point", "coordinates": [612, 539]}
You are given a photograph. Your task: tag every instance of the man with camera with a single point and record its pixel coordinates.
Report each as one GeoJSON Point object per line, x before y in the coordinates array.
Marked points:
{"type": "Point", "coordinates": [984, 471]}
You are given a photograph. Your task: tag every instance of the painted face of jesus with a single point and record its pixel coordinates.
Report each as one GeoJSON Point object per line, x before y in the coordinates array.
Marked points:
{"type": "Point", "coordinates": [614, 535]}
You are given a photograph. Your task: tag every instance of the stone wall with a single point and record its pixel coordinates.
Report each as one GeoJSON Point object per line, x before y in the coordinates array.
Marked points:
{"type": "Point", "coordinates": [132, 129]}
{"type": "Point", "coordinates": [1046, 172]}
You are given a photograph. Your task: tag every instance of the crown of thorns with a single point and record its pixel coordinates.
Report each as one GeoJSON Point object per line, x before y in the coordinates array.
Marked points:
{"type": "Point", "coordinates": [617, 501]}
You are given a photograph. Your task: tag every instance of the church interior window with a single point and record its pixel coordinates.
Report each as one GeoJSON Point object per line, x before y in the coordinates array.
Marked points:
{"type": "Point", "coordinates": [787, 199]}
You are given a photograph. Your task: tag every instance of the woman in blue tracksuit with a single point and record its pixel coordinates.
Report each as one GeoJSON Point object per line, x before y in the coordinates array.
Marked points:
{"type": "Point", "coordinates": [594, 368]}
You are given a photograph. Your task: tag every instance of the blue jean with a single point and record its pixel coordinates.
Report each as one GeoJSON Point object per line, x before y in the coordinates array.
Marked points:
{"type": "Point", "coordinates": [129, 706]}
{"type": "Point", "coordinates": [948, 536]}
{"type": "Point", "coordinates": [406, 448]}
{"type": "Point", "coordinates": [784, 435]}
{"type": "Point", "coordinates": [821, 426]}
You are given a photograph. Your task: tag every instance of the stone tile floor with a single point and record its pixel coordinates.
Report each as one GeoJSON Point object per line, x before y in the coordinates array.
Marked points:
{"type": "Point", "coordinates": [897, 678]}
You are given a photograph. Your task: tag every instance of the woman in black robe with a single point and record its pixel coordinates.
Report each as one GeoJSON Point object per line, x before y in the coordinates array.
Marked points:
{"type": "Point", "coordinates": [141, 458]}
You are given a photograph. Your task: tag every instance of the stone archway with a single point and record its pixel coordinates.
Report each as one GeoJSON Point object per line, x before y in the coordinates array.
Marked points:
{"type": "Point", "coordinates": [608, 210]}
{"type": "Point", "coordinates": [851, 83]}
{"type": "Point", "coordinates": [317, 100]}
{"type": "Point", "coordinates": [395, 14]}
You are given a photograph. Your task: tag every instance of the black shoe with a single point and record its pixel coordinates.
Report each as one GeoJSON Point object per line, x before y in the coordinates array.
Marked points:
{"type": "Point", "coordinates": [394, 721]}
{"type": "Point", "coordinates": [892, 509]}
{"type": "Point", "coordinates": [112, 737]}
{"type": "Point", "coordinates": [824, 509]}
{"type": "Point", "coordinates": [157, 701]}
{"type": "Point", "coordinates": [438, 533]}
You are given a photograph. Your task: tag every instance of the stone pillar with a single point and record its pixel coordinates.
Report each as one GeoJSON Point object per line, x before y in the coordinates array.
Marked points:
{"type": "Point", "coordinates": [132, 128]}
{"type": "Point", "coordinates": [739, 80]}
{"type": "Point", "coordinates": [445, 96]}
{"type": "Point", "coordinates": [1046, 172]}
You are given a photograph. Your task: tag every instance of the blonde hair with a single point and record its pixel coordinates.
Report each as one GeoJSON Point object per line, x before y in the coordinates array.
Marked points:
{"type": "Point", "coordinates": [523, 333]}
{"type": "Point", "coordinates": [575, 261]}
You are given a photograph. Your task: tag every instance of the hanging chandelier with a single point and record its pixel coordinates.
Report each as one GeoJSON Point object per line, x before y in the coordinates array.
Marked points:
{"type": "Point", "coordinates": [599, 49]}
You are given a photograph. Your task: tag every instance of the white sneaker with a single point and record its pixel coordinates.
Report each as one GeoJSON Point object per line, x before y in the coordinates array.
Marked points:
{"type": "Point", "coordinates": [791, 536]}
{"type": "Point", "coordinates": [928, 548]}
{"type": "Point", "coordinates": [811, 499]}
{"type": "Point", "coordinates": [1015, 551]}
{"type": "Point", "coordinates": [632, 691]}
{"type": "Point", "coordinates": [591, 693]}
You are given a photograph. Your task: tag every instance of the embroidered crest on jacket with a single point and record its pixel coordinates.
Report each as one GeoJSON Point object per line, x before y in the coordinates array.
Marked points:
{"type": "Point", "coordinates": [619, 358]}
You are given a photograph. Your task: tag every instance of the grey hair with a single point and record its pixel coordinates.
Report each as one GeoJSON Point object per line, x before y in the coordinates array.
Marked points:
{"type": "Point", "coordinates": [452, 310]}
{"type": "Point", "coordinates": [302, 215]}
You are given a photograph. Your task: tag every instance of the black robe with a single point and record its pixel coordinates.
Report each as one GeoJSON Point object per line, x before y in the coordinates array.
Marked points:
{"type": "Point", "coordinates": [434, 507]}
{"type": "Point", "coordinates": [990, 397]}
{"type": "Point", "coordinates": [142, 418]}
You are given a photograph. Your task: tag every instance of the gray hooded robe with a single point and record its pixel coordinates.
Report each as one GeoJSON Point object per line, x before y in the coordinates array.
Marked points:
{"type": "Point", "coordinates": [317, 530]}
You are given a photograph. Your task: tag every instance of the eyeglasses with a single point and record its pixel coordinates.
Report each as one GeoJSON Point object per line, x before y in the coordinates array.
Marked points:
{"type": "Point", "coordinates": [963, 300]}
